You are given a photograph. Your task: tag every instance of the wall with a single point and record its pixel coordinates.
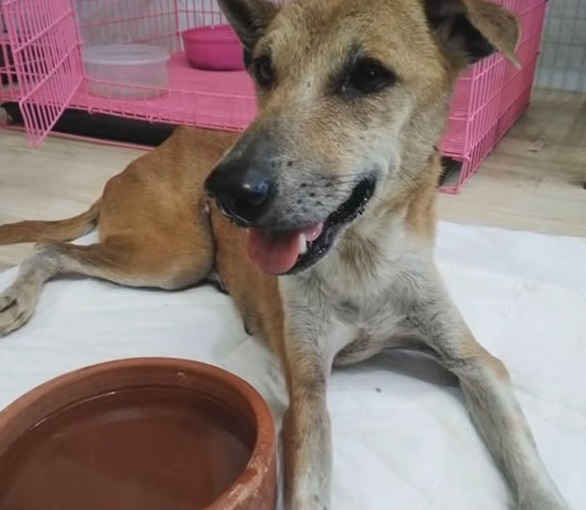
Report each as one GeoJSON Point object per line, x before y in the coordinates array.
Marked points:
{"type": "Point", "coordinates": [563, 59]}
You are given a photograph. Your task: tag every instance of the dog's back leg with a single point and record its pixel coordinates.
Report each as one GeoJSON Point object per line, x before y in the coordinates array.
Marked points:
{"type": "Point", "coordinates": [118, 259]}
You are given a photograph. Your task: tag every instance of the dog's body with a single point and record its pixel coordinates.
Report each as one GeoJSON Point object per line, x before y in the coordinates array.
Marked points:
{"type": "Point", "coordinates": [153, 231]}
{"type": "Point", "coordinates": [352, 98]}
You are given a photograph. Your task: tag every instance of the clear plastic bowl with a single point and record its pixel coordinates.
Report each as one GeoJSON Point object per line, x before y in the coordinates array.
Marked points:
{"type": "Point", "coordinates": [127, 71]}
{"type": "Point", "coordinates": [213, 48]}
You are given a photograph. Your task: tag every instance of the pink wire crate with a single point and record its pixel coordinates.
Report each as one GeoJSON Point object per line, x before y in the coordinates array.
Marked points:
{"type": "Point", "coordinates": [475, 88]}
{"type": "Point", "coordinates": [193, 97]}
{"type": "Point", "coordinates": [470, 163]}
{"type": "Point", "coordinates": [498, 88]}
{"type": "Point", "coordinates": [43, 63]}
{"type": "Point", "coordinates": [465, 132]}
{"type": "Point", "coordinates": [491, 97]}
{"type": "Point", "coordinates": [8, 85]}
{"type": "Point", "coordinates": [222, 100]}
{"type": "Point", "coordinates": [43, 42]}
{"type": "Point", "coordinates": [515, 110]}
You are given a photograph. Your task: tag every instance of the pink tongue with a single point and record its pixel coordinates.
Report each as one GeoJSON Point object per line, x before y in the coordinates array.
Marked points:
{"type": "Point", "coordinates": [277, 253]}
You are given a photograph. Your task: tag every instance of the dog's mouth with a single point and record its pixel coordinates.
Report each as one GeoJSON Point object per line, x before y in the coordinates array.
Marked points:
{"type": "Point", "coordinates": [294, 250]}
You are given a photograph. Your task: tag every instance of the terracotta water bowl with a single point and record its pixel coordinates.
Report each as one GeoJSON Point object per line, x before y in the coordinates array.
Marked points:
{"type": "Point", "coordinates": [139, 434]}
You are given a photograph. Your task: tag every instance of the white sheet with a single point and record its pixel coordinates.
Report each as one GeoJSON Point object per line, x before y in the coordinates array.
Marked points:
{"type": "Point", "coordinates": [401, 435]}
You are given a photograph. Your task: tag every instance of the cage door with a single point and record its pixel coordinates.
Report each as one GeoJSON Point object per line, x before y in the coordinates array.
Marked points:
{"type": "Point", "coordinates": [44, 42]}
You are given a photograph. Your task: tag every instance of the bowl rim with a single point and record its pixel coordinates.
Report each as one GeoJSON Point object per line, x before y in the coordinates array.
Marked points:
{"type": "Point", "coordinates": [262, 458]}
{"type": "Point", "coordinates": [149, 54]}
{"type": "Point", "coordinates": [225, 31]}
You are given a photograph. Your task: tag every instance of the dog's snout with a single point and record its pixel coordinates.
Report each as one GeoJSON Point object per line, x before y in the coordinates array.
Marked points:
{"type": "Point", "coordinates": [244, 195]}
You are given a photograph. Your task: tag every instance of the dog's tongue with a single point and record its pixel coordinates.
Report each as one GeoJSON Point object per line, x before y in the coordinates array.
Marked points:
{"type": "Point", "coordinates": [276, 253]}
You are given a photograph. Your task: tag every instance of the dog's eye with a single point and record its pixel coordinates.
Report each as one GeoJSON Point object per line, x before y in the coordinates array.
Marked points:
{"type": "Point", "coordinates": [263, 71]}
{"type": "Point", "coordinates": [368, 76]}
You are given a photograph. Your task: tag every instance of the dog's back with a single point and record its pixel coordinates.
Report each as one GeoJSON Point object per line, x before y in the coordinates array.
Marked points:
{"type": "Point", "coordinates": [169, 176]}
{"type": "Point", "coordinates": [152, 221]}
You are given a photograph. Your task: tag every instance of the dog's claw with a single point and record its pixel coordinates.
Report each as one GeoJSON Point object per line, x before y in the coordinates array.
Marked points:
{"type": "Point", "coordinates": [15, 324]}
{"type": "Point", "coordinates": [6, 302]}
{"type": "Point", "coordinates": [547, 501]}
{"type": "Point", "coordinates": [15, 310]}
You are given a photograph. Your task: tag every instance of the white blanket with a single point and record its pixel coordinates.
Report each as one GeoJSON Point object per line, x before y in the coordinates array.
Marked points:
{"type": "Point", "coordinates": [402, 438]}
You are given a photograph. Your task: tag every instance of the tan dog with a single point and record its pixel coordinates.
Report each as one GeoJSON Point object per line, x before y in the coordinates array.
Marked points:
{"type": "Point", "coordinates": [335, 184]}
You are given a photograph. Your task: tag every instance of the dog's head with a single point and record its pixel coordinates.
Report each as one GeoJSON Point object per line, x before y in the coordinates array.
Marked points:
{"type": "Point", "coordinates": [352, 96]}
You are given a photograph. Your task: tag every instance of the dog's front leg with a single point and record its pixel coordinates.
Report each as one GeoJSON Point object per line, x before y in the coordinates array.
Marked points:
{"type": "Point", "coordinates": [307, 440]}
{"type": "Point", "coordinates": [307, 357]}
{"type": "Point", "coordinates": [490, 399]}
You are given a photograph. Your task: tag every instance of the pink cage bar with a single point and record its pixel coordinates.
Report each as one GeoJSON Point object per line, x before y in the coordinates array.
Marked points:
{"type": "Point", "coordinates": [41, 66]}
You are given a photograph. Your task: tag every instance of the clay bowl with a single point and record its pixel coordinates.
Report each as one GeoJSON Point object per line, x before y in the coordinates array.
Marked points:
{"type": "Point", "coordinates": [139, 434]}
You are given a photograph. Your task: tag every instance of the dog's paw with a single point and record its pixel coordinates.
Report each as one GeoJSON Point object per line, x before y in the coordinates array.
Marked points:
{"type": "Point", "coordinates": [16, 308]}
{"type": "Point", "coordinates": [542, 505]}
{"type": "Point", "coordinates": [307, 502]}
{"type": "Point", "coordinates": [543, 502]}
{"type": "Point", "coordinates": [308, 505]}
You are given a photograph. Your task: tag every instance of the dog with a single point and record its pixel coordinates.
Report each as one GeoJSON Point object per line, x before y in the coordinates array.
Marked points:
{"type": "Point", "coordinates": [319, 219]}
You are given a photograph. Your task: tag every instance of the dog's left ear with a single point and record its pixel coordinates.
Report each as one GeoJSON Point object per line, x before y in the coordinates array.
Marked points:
{"type": "Point", "coordinates": [470, 30]}
{"type": "Point", "coordinates": [249, 18]}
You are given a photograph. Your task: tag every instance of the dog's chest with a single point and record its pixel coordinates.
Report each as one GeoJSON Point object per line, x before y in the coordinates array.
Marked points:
{"type": "Point", "coordinates": [373, 316]}
{"type": "Point", "coordinates": [364, 289]}
{"type": "Point", "coordinates": [373, 294]}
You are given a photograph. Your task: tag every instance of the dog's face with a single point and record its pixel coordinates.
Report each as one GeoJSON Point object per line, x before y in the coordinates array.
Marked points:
{"type": "Point", "coordinates": [352, 97]}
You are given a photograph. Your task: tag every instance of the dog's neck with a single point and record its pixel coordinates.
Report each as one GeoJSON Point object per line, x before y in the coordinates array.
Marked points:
{"type": "Point", "coordinates": [398, 226]}
{"type": "Point", "coordinates": [399, 229]}
{"type": "Point", "coordinates": [407, 201]}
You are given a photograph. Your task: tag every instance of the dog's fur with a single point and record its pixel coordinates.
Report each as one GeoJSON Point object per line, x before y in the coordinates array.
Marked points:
{"type": "Point", "coordinates": [317, 135]}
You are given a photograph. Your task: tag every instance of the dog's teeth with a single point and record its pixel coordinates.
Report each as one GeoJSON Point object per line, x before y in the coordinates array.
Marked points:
{"type": "Point", "coordinates": [302, 244]}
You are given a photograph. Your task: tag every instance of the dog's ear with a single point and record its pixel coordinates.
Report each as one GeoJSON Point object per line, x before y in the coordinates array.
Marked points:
{"type": "Point", "coordinates": [470, 30]}
{"type": "Point", "coordinates": [249, 18]}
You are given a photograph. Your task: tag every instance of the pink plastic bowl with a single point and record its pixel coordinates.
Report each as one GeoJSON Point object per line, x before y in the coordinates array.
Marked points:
{"type": "Point", "coordinates": [213, 48]}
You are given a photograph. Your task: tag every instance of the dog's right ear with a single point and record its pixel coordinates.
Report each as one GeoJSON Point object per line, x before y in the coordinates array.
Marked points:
{"type": "Point", "coordinates": [469, 30]}
{"type": "Point", "coordinates": [249, 18]}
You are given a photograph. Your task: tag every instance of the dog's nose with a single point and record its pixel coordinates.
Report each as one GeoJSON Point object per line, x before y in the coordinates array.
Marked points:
{"type": "Point", "coordinates": [244, 196]}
